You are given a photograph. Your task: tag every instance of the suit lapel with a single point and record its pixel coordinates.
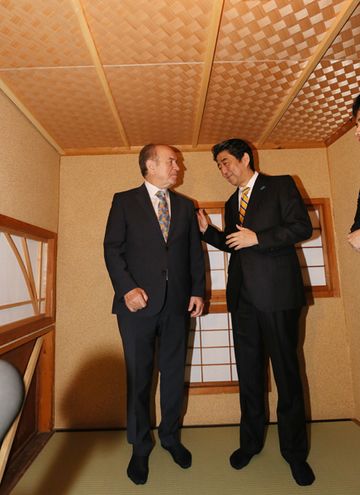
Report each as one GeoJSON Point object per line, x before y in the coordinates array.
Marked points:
{"type": "Point", "coordinates": [257, 195]}
{"type": "Point", "coordinates": [174, 206]}
{"type": "Point", "coordinates": [146, 205]}
{"type": "Point", "coordinates": [234, 209]}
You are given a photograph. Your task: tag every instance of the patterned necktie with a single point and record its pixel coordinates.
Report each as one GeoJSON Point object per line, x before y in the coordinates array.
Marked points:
{"type": "Point", "coordinates": [163, 214]}
{"type": "Point", "coordinates": [243, 204]}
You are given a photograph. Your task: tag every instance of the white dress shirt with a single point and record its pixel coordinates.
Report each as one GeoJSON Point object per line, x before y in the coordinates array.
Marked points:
{"type": "Point", "coordinates": [152, 190]}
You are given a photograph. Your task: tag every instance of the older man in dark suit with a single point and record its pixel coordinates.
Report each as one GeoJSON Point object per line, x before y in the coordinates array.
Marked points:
{"type": "Point", "coordinates": [264, 218]}
{"type": "Point", "coordinates": [154, 257]}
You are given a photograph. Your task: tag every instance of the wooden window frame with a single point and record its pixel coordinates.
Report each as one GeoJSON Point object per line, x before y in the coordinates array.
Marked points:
{"type": "Point", "coordinates": [20, 328]}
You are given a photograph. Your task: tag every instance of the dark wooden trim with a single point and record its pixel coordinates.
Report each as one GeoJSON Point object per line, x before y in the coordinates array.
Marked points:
{"type": "Point", "coordinates": [15, 333]}
{"type": "Point", "coordinates": [13, 226]}
{"type": "Point", "coordinates": [46, 380]}
{"type": "Point", "coordinates": [22, 460]}
{"type": "Point", "coordinates": [213, 388]}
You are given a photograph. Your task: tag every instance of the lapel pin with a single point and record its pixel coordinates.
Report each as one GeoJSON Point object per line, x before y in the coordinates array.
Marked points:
{"type": "Point", "coordinates": [262, 188]}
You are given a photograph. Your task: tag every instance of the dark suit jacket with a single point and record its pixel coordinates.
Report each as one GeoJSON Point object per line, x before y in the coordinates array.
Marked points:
{"type": "Point", "coordinates": [269, 273]}
{"type": "Point", "coordinates": [136, 254]}
{"type": "Point", "coordinates": [356, 224]}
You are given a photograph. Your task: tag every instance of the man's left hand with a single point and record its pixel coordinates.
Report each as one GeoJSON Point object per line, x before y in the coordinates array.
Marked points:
{"type": "Point", "coordinates": [196, 306]}
{"type": "Point", "coordinates": [354, 239]}
{"type": "Point", "coordinates": [243, 238]}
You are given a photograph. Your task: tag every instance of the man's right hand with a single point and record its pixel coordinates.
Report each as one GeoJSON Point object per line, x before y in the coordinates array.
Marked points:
{"type": "Point", "coordinates": [136, 299]}
{"type": "Point", "coordinates": [202, 220]}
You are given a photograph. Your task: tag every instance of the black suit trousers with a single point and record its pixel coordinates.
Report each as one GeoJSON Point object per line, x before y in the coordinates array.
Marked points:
{"type": "Point", "coordinates": [258, 334]}
{"type": "Point", "coordinates": [140, 336]}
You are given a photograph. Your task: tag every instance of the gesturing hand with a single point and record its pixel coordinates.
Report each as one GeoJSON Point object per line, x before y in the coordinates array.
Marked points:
{"type": "Point", "coordinates": [242, 238]}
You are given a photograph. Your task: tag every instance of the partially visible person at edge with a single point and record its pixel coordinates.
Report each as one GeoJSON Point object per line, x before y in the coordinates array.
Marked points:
{"type": "Point", "coordinates": [155, 261]}
{"type": "Point", "coordinates": [354, 236]}
{"type": "Point", "coordinates": [264, 218]}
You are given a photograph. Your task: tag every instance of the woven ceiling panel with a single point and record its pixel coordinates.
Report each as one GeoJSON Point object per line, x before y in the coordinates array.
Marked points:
{"type": "Point", "coordinates": [347, 44]}
{"type": "Point", "coordinates": [322, 106]}
{"type": "Point", "coordinates": [243, 96]}
{"type": "Point", "coordinates": [41, 33]}
{"type": "Point", "coordinates": [274, 29]}
{"type": "Point", "coordinates": [156, 56]}
{"type": "Point", "coordinates": [157, 103]}
{"type": "Point", "coordinates": [69, 103]}
{"type": "Point", "coordinates": [143, 31]}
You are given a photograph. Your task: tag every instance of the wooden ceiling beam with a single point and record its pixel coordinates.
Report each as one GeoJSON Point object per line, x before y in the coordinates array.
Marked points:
{"type": "Point", "coordinates": [208, 62]}
{"type": "Point", "coordinates": [12, 96]}
{"type": "Point", "coordinates": [79, 11]}
{"type": "Point", "coordinates": [339, 22]}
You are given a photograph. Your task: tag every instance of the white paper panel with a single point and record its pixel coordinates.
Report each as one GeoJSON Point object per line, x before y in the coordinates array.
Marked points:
{"type": "Point", "coordinates": [313, 256]}
{"type": "Point", "coordinates": [218, 281]}
{"type": "Point", "coordinates": [216, 260]}
{"type": "Point", "coordinates": [234, 373]}
{"type": "Point", "coordinates": [216, 373]}
{"type": "Point", "coordinates": [15, 314]}
{"type": "Point", "coordinates": [216, 220]}
{"type": "Point", "coordinates": [216, 355]}
{"type": "Point", "coordinates": [215, 338]}
{"type": "Point", "coordinates": [315, 240]}
{"type": "Point", "coordinates": [314, 276]}
{"type": "Point", "coordinates": [214, 321]}
{"type": "Point", "coordinates": [194, 339]}
{"type": "Point", "coordinates": [193, 374]}
{"type": "Point", "coordinates": [193, 356]}
{"type": "Point", "coordinates": [12, 283]}
{"type": "Point", "coordinates": [34, 253]}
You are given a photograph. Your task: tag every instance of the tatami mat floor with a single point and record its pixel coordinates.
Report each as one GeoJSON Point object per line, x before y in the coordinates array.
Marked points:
{"type": "Point", "coordinates": [94, 463]}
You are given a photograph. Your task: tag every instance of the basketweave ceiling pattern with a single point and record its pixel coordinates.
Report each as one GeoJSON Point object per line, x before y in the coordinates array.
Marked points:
{"type": "Point", "coordinates": [108, 76]}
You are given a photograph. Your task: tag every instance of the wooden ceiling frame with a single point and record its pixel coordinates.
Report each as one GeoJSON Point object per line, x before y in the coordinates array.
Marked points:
{"type": "Point", "coordinates": [214, 29]}
{"type": "Point", "coordinates": [339, 23]}
{"type": "Point", "coordinates": [12, 96]}
{"type": "Point", "coordinates": [90, 43]}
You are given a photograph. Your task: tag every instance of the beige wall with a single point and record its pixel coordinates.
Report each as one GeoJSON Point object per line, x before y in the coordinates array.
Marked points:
{"type": "Point", "coordinates": [344, 160]}
{"type": "Point", "coordinates": [90, 388]}
{"type": "Point", "coordinates": [29, 170]}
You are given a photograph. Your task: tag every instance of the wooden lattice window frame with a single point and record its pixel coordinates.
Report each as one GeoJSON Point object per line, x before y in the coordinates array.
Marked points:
{"type": "Point", "coordinates": [10, 331]}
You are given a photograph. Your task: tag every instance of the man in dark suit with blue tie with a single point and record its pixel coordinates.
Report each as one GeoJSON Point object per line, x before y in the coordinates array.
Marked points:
{"type": "Point", "coordinates": [264, 219]}
{"type": "Point", "coordinates": [155, 261]}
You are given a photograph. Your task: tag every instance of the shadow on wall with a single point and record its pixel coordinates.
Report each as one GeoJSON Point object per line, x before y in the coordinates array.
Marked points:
{"type": "Point", "coordinates": [96, 398]}
{"type": "Point", "coordinates": [98, 390]}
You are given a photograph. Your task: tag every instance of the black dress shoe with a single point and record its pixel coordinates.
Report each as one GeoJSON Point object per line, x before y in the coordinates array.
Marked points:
{"type": "Point", "coordinates": [302, 473]}
{"type": "Point", "coordinates": [138, 469]}
{"type": "Point", "coordinates": [180, 454]}
{"type": "Point", "coordinates": [240, 459]}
